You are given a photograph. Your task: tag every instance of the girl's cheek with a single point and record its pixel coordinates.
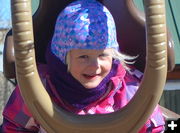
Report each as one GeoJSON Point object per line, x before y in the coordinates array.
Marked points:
{"type": "Point", "coordinates": [107, 65]}
{"type": "Point", "coordinates": [82, 61]}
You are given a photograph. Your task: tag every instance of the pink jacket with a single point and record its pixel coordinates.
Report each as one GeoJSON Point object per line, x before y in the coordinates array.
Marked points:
{"type": "Point", "coordinates": [17, 118]}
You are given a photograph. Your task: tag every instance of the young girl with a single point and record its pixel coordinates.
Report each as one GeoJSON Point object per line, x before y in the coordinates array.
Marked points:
{"type": "Point", "coordinates": [85, 73]}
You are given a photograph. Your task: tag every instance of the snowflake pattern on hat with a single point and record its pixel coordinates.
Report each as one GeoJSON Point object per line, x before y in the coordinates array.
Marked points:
{"type": "Point", "coordinates": [84, 24]}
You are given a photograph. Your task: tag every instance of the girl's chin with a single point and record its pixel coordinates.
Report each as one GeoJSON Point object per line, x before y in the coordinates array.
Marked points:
{"type": "Point", "coordinates": [90, 86]}
{"type": "Point", "coordinates": [91, 83]}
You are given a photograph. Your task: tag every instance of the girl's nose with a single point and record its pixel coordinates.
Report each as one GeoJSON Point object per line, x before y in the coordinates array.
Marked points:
{"type": "Point", "coordinates": [94, 63]}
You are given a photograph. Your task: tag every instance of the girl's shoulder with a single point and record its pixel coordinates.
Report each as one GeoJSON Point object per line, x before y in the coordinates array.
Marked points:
{"type": "Point", "coordinates": [135, 73]}
{"type": "Point", "coordinates": [132, 79]}
{"type": "Point", "coordinates": [16, 111]}
{"type": "Point", "coordinates": [17, 114]}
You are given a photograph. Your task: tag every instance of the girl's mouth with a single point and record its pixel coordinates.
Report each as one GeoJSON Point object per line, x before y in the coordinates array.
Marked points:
{"type": "Point", "coordinates": [90, 76]}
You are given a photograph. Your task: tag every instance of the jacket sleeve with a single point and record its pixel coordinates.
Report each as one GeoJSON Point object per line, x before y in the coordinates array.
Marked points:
{"type": "Point", "coordinates": [155, 124]}
{"type": "Point", "coordinates": [16, 117]}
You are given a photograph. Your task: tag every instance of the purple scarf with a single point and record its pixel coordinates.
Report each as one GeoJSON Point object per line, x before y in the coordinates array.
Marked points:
{"type": "Point", "coordinates": [69, 89]}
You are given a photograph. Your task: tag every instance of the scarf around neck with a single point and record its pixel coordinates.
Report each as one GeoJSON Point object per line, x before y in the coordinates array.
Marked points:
{"type": "Point", "coordinates": [69, 89]}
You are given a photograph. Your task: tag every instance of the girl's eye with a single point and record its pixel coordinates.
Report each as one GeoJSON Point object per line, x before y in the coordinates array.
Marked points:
{"type": "Point", "coordinates": [83, 57]}
{"type": "Point", "coordinates": [103, 55]}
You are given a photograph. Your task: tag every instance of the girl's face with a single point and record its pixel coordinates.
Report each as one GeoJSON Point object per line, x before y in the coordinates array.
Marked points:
{"type": "Point", "coordinates": [90, 67]}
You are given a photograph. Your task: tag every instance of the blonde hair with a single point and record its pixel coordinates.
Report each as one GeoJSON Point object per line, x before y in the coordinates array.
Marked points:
{"type": "Point", "coordinates": [68, 61]}
{"type": "Point", "coordinates": [123, 58]}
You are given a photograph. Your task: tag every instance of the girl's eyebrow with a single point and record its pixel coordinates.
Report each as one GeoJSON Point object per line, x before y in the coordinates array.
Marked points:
{"type": "Point", "coordinates": [82, 53]}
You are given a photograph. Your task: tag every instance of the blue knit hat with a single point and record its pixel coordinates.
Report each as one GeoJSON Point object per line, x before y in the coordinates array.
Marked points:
{"type": "Point", "coordinates": [83, 24]}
